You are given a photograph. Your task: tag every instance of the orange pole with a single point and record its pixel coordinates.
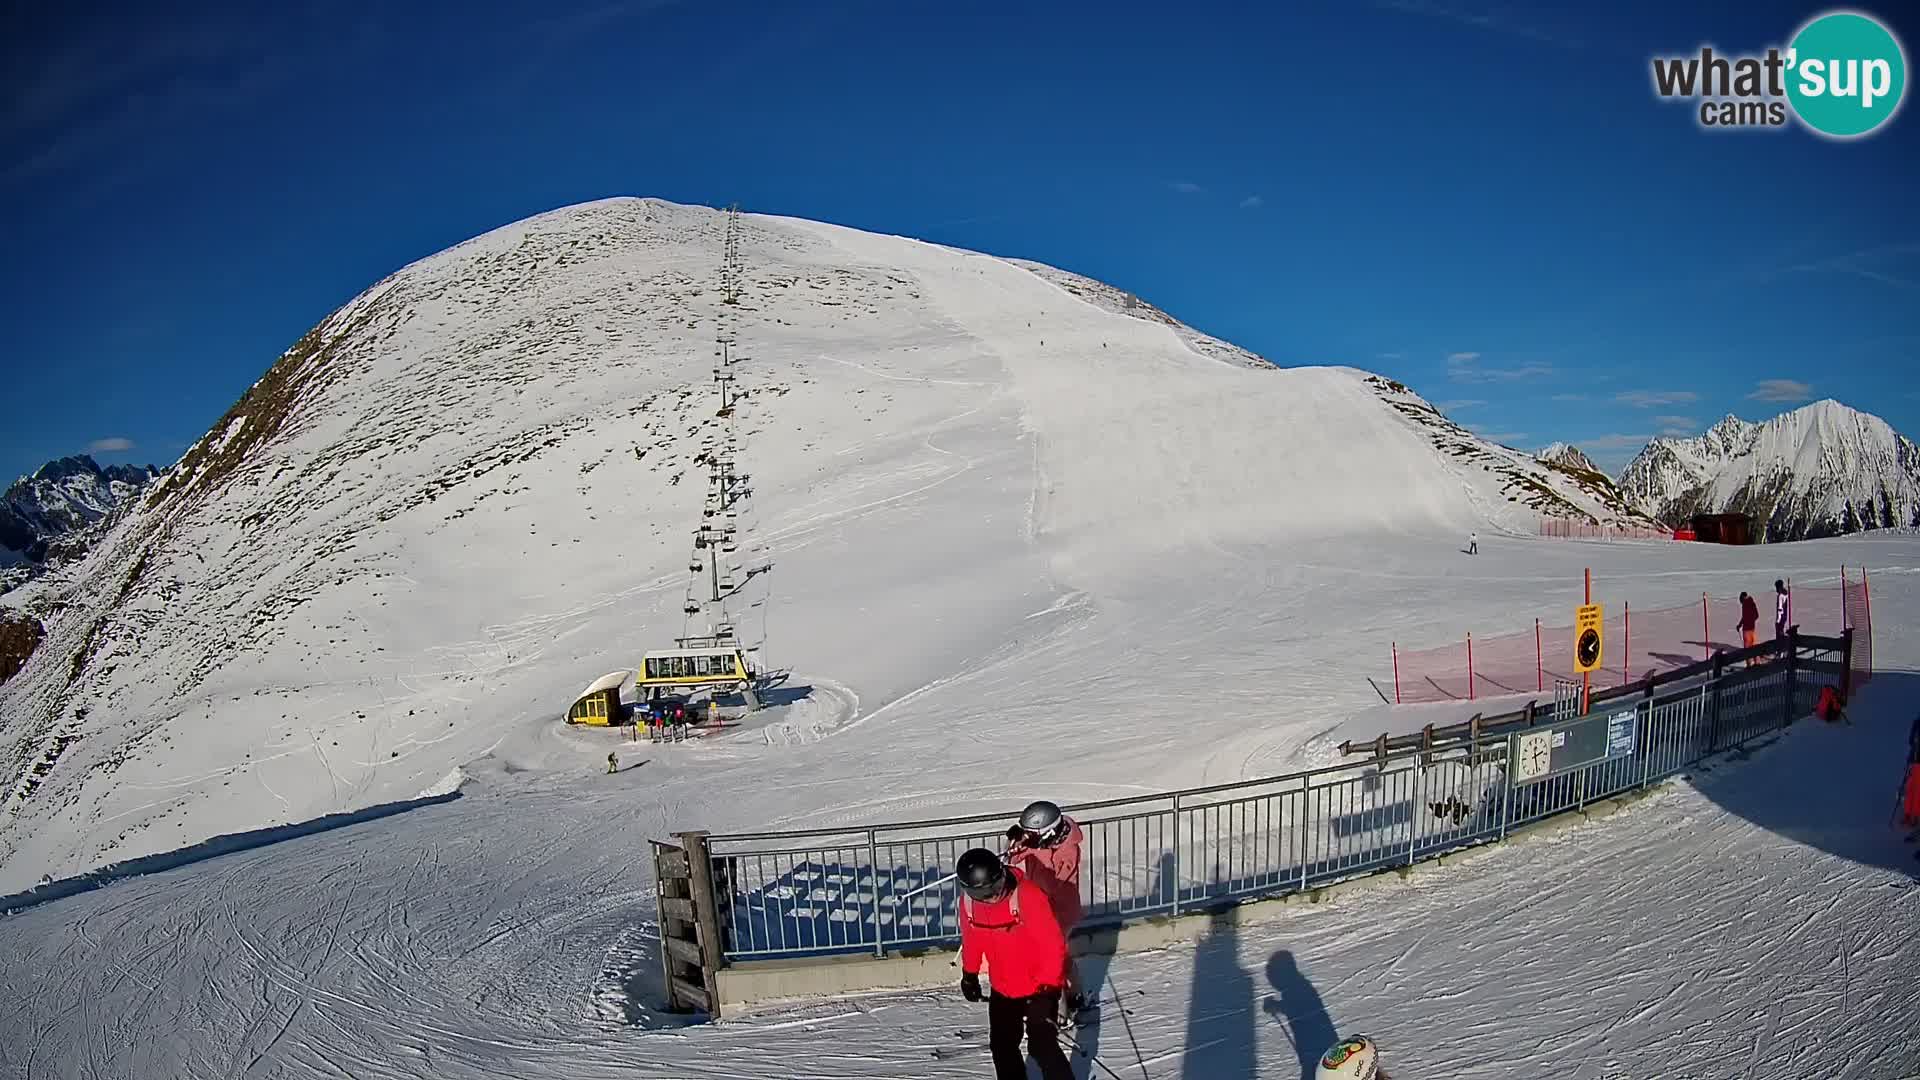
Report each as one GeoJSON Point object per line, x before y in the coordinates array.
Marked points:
{"type": "Point", "coordinates": [1539, 661]}
{"type": "Point", "coordinates": [1396, 673]}
{"type": "Point", "coordinates": [1626, 643]}
{"type": "Point", "coordinates": [1866, 594]}
{"type": "Point", "coordinates": [1586, 677]}
{"type": "Point", "coordinates": [1469, 665]}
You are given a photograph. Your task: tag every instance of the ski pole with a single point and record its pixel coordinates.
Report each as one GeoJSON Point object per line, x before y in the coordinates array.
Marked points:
{"type": "Point", "coordinates": [1075, 1048]}
{"type": "Point", "coordinates": [924, 888]}
{"type": "Point", "coordinates": [1137, 1055]}
{"type": "Point", "coordinates": [935, 884]}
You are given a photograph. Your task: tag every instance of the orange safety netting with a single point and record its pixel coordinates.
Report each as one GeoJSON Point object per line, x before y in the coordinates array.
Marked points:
{"type": "Point", "coordinates": [1638, 642]}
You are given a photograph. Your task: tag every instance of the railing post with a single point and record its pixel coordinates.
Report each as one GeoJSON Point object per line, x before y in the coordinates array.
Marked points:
{"type": "Point", "coordinates": [879, 920]}
{"type": "Point", "coordinates": [706, 911]}
{"type": "Point", "coordinates": [1713, 683]}
{"type": "Point", "coordinates": [1413, 819]}
{"type": "Point", "coordinates": [1174, 871]}
{"type": "Point", "coordinates": [1506, 808]}
{"type": "Point", "coordinates": [1306, 818]}
{"type": "Point", "coordinates": [1790, 706]}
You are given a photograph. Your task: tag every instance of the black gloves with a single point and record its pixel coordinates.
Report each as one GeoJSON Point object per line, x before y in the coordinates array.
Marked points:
{"type": "Point", "coordinates": [970, 986]}
{"type": "Point", "coordinates": [1015, 834]}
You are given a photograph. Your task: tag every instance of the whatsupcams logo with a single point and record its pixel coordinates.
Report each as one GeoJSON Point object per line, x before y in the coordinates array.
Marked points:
{"type": "Point", "coordinates": [1843, 76]}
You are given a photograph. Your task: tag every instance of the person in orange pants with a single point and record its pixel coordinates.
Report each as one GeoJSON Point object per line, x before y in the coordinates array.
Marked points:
{"type": "Point", "coordinates": [1749, 623]}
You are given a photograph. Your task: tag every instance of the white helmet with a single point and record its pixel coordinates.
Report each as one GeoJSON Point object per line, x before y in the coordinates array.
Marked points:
{"type": "Point", "coordinates": [1352, 1058]}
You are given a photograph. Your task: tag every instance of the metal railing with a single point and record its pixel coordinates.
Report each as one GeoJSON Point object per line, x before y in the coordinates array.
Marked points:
{"type": "Point", "coordinates": [821, 892]}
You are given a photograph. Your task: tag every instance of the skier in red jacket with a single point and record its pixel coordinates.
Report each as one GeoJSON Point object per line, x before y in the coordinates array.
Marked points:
{"type": "Point", "coordinates": [1007, 921]}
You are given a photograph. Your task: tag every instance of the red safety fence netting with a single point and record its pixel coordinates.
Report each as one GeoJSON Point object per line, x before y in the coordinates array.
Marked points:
{"type": "Point", "coordinates": [1638, 642]}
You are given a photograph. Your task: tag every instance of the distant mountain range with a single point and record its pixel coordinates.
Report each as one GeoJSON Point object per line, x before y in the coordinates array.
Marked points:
{"type": "Point", "coordinates": [1821, 470]}
{"type": "Point", "coordinates": [60, 499]}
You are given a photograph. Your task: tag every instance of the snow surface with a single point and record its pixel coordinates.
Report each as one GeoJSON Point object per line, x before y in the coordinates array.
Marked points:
{"type": "Point", "coordinates": [1101, 566]}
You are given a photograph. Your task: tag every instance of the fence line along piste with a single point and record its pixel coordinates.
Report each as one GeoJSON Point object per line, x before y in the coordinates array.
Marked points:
{"type": "Point", "coordinates": [883, 890]}
{"type": "Point", "coordinates": [1639, 641]}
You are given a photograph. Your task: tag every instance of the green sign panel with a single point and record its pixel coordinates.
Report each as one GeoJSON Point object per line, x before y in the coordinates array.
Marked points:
{"type": "Point", "coordinates": [1548, 752]}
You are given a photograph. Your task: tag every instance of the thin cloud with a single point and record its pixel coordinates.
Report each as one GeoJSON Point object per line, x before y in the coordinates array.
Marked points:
{"type": "Point", "coordinates": [112, 445]}
{"type": "Point", "coordinates": [1488, 21]}
{"type": "Point", "coordinates": [1569, 397]}
{"type": "Point", "coordinates": [1186, 187]}
{"type": "Point", "coordinates": [1504, 438]}
{"type": "Point", "coordinates": [1252, 202]}
{"type": "Point", "coordinates": [1459, 403]}
{"type": "Point", "coordinates": [1781, 391]}
{"type": "Point", "coordinates": [1676, 427]}
{"type": "Point", "coordinates": [1653, 399]}
{"type": "Point", "coordinates": [1602, 443]}
{"type": "Point", "coordinates": [1466, 367]}
{"type": "Point", "coordinates": [1392, 356]}
{"type": "Point", "coordinates": [1858, 264]}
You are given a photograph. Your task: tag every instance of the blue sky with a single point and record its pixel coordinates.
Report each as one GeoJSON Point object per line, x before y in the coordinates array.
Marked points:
{"type": "Point", "coordinates": [1486, 203]}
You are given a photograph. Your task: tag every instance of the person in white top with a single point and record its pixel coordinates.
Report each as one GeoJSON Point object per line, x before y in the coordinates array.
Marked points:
{"type": "Point", "coordinates": [1782, 601]}
{"type": "Point", "coordinates": [1473, 543]}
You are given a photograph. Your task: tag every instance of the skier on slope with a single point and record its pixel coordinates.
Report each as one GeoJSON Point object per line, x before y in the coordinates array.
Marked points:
{"type": "Point", "coordinates": [1782, 601]}
{"type": "Point", "coordinates": [1007, 922]}
{"type": "Point", "coordinates": [1473, 543]}
{"type": "Point", "coordinates": [1045, 844]}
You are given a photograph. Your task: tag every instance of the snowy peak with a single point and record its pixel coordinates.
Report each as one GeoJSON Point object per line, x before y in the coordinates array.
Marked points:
{"type": "Point", "coordinates": [1567, 456]}
{"type": "Point", "coordinates": [1819, 470]}
{"type": "Point", "coordinates": [63, 497]}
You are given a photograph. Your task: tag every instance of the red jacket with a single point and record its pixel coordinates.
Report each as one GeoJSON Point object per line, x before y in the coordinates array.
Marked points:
{"type": "Point", "coordinates": [1057, 870]}
{"type": "Point", "coordinates": [1018, 937]}
{"type": "Point", "coordinates": [1749, 614]}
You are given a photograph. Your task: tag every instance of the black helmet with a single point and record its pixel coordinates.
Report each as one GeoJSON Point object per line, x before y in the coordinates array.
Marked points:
{"type": "Point", "coordinates": [1043, 822]}
{"type": "Point", "coordinates": [1779, 586]}
{"type": "Point", "coordinates": [981, 875]}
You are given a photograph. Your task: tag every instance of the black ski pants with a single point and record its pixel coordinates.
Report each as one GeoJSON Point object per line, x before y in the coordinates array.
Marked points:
{"type": "Point", "coordinates": [1038, 1018]}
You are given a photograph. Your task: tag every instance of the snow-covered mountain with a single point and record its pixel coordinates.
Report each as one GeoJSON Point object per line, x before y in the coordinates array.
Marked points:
{"type": "Point", "coordinates": [1821, 470]}
{"type": "Point", "coordinates": [60, 498]}
{"type": "Point", "coordinates": [469, 490]}
{"type": "Point", "coordinates": [1569, 456]}
{"type": "Point", "coordinates": [1523, 482]}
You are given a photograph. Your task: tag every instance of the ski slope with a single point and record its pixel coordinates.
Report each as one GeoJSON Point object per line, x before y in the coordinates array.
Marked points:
{"type": "Point", "coordinates": [1759, 922]}
{"type": "Point", "coordinates": [1022, 545]}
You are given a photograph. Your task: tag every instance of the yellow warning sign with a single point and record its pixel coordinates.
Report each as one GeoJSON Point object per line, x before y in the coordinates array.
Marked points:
{"type": "Point", "coordinates": [1589, 644]}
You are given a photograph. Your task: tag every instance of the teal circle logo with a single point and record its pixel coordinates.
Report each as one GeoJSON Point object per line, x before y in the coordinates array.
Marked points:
{"type": "Point", "coordinates": [1846, 74]}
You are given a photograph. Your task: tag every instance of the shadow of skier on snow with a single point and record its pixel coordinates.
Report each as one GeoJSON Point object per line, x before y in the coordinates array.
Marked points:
{"type": "Point", "coordinates": [1297, 1005]}
{"type": "Point", "coordinates": [1220, 1010]}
